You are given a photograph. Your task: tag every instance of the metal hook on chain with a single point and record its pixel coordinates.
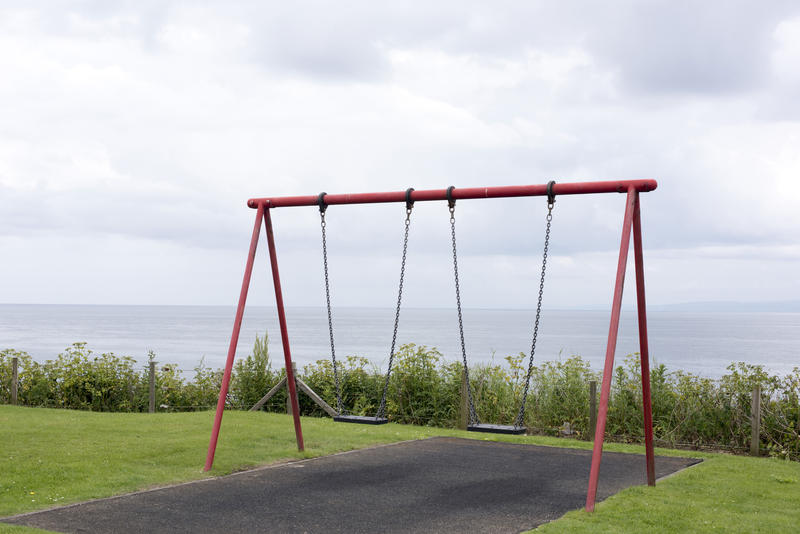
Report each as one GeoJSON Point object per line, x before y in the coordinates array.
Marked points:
{"type": "Point", "coordinates": [409, 202]}
{"type": "Point", "coordinates": [409, 205]}
{"type": "Point", "coordinates": [551, 197]}
{"type": "Point", "coordinates": [451, 202]}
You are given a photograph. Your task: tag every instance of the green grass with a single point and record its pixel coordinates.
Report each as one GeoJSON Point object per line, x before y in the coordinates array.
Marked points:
{"type": "Point", "coordinates": [54, 457]}
{"type": "Point", "coordinates": [722, 494]}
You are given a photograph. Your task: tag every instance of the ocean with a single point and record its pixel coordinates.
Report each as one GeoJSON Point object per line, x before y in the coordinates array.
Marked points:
{"type": "Point", "coordinates": [704, 343]}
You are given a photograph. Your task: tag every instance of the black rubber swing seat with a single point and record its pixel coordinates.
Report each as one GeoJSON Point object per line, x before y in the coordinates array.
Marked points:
{"type": "Point", "coordinates": [360, 419]}
{"type": "Point", "coordinates": [497, 429]}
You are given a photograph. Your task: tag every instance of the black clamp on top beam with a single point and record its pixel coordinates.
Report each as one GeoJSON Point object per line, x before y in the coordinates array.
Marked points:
{"type": "Point", "coordinates": [451, 202]}
{"type": "Point", "coordinates": [321, 202]}
{"type": "Point", "coordinates": [409, 202]}
{"type": "Point", "coordinates": [551, 197]}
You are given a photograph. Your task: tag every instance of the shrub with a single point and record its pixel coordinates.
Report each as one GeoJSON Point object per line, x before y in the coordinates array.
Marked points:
{"type": "Point", "coordinates": [24, 362]}
{"type": "Point", "coordinates": [419, 391]}
{"type": "Point", "coordinates": [361, 386]}
{"type": "Point", "coordinates": [252, 376]}
{"type": "Point", "coordinates": [560, 394]}
{"type": "Point", "coordinates": [688, 410]}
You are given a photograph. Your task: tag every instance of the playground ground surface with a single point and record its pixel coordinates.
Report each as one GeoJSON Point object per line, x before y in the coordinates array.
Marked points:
{"type": "Point", "coordinates": [435, 485]}
{"type": "Point", "coordinates": [56, 457]}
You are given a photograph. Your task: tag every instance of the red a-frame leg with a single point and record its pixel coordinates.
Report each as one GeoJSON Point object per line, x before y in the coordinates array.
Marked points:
{"type": "Point", "coordinates": [644, 352]}
{"type": "Point", "coordinates": [237, 326]}
{"type": "Point", "coordinates": [287, 355]}
{"type": "Point", "coordinates": [262, 213]}
{"type": "Point", "coordinates": [631, 221]}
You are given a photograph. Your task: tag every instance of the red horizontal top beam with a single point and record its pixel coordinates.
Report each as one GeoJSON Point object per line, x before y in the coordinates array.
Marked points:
{"type": "Point", "coordinates": [574, 188]}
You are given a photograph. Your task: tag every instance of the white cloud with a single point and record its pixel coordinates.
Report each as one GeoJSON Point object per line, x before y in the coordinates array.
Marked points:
{"type": "Point", "coordinates": [786, 53]}
{"type": "Point", "coordinates": [143, 128]}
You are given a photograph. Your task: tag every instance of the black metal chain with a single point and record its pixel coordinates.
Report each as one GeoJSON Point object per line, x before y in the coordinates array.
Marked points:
{"type": "Point", "coordinates": [520, 421]}
{"type": "Point", "coordinates": [322, 208]}
{"type": "Point", "coordinates": [409, 207]}
{"type": "Point", "coordinates": [473, 416]}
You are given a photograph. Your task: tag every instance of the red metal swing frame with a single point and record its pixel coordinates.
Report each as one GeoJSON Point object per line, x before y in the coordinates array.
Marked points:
{"type": "Point", "coordinates": [631, 223]}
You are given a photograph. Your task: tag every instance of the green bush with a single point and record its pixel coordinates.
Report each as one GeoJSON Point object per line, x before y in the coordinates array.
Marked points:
{"type": "Point", "coordinates": [252, 376]}
{"type": "Point", "coordinates": [560, 395]}
{"type": "Point", "coordinates": [421, 389]}
{"type": "Point", "coordinates": [688, 410]}
{"type": "Point", "coordinates": [76, 379]}
{"type": "Point", "coordinates": [24, 362]}
{"type": "Point", "coordinates": [360, 384]}
{"type": "Point", "coordinates": [495, 397]}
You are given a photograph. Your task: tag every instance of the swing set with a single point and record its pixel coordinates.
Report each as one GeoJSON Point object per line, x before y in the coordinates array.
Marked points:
{"type": "Point", "coordinates": [631, 224]}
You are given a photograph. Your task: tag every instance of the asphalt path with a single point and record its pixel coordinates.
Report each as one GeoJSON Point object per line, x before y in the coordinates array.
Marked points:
{"type": "Point", "coordinates": [433, 485]}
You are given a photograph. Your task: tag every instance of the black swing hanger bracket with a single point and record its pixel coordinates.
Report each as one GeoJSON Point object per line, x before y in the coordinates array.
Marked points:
{"type": "Point", "coordinates": [551, 197]}
{"type": "Point", "coordinates": [451, 202]}
{"type": "Point", "coordinates": [321, 202]}
{"type": "Point", "coordinates": [409, 202]}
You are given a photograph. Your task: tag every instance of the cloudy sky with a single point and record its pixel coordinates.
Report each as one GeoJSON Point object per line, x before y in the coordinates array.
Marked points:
{"type": "Point", "coordinates": [132, 134]}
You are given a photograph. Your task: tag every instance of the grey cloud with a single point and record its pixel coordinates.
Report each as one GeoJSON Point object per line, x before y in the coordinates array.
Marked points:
{"type": "Point", "coordinates": [190, 219]}
{"type": "Point", "coordinates": [141, 19]}
{"type": "Point", "coordinates": [780, 104]}
{"type": "Point", "coordinates": [656, 47]}
{"type": "Point", "coordinates": [691, 55]}
{"type": "Point", "coordinates": [325, 58]}
{"type": "Point", "coordinates": [691, 47]}
{"type": "Point", "coordinates": [345, 41]}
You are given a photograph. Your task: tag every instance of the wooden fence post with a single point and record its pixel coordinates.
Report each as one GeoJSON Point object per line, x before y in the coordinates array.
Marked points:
{"type": "Point", "coordinates": [257, 406]}
{"type": "Point", "coordinates": [314, 397]}
{"type": "Point", "coordinates": [755, 421]}
{"type": "Point", "coordinates": [302, 386]}
{"type": "Point", "coordinates": [592, 408]}
{"type": "Point", "coordinates": [152, 387]}
{"type": "Point", "coordinates": [463, 413]}
{"type": "Point", "coordinates": [14, 380]}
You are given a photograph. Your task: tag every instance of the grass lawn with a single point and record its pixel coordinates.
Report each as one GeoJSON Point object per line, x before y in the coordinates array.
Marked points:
{"type": "Point", "coordinates": [55, 457]}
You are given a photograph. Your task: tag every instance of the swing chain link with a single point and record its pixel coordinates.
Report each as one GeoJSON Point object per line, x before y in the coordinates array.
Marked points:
{"type": "Point", "coordinates": [473, 415]}
{"type": "Point", "coordinates": [382, 407]}
{"type": "Point", "coordinates": [330, 318]}
{"type": "Point", "coordinates": [520, 421]}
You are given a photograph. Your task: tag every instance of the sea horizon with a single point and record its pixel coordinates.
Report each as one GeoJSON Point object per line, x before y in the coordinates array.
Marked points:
{"type": "Point", "coordinates": [699, 342]}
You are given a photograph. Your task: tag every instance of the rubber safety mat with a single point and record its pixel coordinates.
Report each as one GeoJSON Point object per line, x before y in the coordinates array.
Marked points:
{"type": "Point", "coordinates": [434, 485]}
